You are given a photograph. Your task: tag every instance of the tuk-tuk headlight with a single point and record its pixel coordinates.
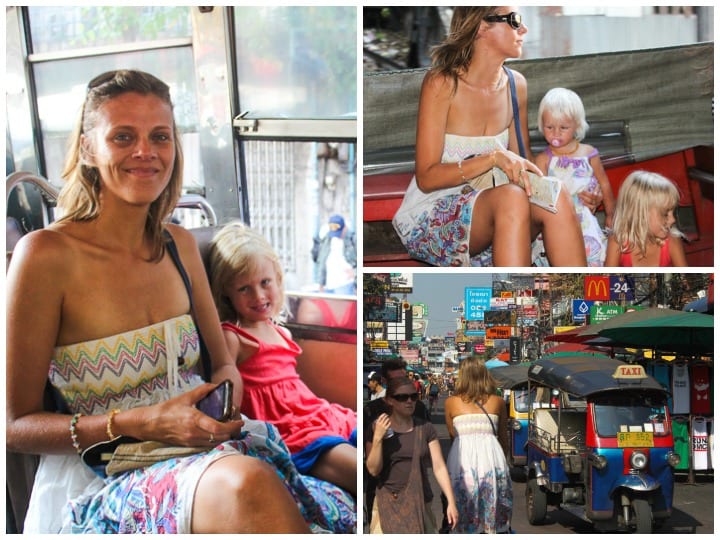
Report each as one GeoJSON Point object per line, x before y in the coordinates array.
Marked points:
{"type": "Point", "coordinates": [638, 460]}
{"type": "Point", "coordinates": [516, 425]}
{"type": "Point", "coordinates": [673, 459]}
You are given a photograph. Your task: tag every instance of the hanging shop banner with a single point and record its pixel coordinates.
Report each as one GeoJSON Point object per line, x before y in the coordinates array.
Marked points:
{"type": "Point", "coordinates": [622, 288]}
{"type": "Point", "coordinates": [498, 332]}
{"type": "Point", "coordinates": [599, 313]}
{"type": "Point", "coordinates": [581, 309]}
{"type": "Point", "coordinates": [477, 302]}
{"type": "Point", "coordinates": [474, 328]}
{"type": "Point", "coordinates": [401, 283]}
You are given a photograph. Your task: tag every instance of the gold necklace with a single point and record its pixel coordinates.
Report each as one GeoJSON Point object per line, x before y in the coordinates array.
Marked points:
{"type": "Point", "coordinates": [559, 153]}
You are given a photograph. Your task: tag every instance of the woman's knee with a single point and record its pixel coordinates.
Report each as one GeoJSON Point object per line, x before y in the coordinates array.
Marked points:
{"type": "Point", "coordinates": [511, 207]}
{"type": "Point", "coordinates": [244, 494]}
{"type": "Point", "coordinates": [508, 202]}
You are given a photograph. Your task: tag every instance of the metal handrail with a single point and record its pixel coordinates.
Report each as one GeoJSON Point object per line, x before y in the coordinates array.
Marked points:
{"type": "Point", "coordinates": [47, 190]}
{"type": "Point", "coordinates": [198, 202]}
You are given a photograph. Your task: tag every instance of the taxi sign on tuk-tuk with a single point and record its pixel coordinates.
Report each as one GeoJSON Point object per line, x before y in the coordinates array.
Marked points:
{"type": "Point", "coordinates": [630, 372]}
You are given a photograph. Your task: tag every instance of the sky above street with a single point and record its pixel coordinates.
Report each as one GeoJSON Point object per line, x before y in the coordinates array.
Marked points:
{"type": "Point", "coordinates": [440, 292]}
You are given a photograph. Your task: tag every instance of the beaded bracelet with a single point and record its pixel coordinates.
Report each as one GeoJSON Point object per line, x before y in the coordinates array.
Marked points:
{"type": "Point", "coordinates": [73, 432]}
{"type": "Point", "coordinates": [108, 427]}
{"type": "Point", "coordinates": [462, 174]}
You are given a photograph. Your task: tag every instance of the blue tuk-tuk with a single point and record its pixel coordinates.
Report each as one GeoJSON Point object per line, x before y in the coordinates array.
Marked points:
{"type": "Point", "coordinates": [513, 380]}
{"type": "Point", "coordinates": [600, 443]}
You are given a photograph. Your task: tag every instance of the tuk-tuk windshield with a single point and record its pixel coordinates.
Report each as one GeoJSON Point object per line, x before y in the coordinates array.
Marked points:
{"type": "Point", "coordinates": [627, 413]}
{"type": "Point", "coordinates": [521, 400]}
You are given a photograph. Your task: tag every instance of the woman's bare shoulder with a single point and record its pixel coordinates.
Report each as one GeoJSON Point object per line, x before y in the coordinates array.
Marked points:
{"type": "Point", "coordinates": [438, 84]}
{"type": "Point", "coordinates": [45, 246]}
{"type": "Point", "coordinates": [519, 77]}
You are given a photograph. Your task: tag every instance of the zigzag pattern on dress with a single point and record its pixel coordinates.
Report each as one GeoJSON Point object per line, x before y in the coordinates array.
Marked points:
{"type": "Point", "coordinates": [95, 375]}
{"type": "Point", "coordinates": [459, 147]}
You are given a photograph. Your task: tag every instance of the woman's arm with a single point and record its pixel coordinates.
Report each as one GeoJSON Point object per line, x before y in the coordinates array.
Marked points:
{"type": "Point", "coordinates": [449, 414]}
{"type": "Point", "coordinates": [502, 424]}
{"type": "Point", "coordinates": [521, 89]}
{"type": "Point", "coordinates": [373, 449]}
{"type": "Point", "coordinates": [443, 479]}
{"type": "Point", "coordinates": [33, 307]}
{"type": "Point", "coordinates": [430, 172]}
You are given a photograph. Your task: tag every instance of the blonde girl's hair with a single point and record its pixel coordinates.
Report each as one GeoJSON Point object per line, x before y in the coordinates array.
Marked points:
{"type": "Point", "coordinates": [452, 57]}
{"type": "Point", "coordinates": [80, 197]}
{"type": "Point", "coordinates": [562, 102]}
{"type": "Point", "coordinates": [474, 381]}
{"type": "Point", "coordinates": [239, 249]}
{"type": "Point", "coordinates": [639, 194]}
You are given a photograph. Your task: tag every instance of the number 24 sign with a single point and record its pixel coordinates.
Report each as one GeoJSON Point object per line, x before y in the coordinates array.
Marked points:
{"type": "Point", "coordinates": [622, 288]}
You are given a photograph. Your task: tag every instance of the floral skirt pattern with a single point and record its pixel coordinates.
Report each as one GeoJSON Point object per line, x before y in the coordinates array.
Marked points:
{"type": "Point", "coordinates": [442, 234]}
{"type": "Point", "coordinates": [484, 503]}
{"type": "Point", "coordinates": [149, 500]}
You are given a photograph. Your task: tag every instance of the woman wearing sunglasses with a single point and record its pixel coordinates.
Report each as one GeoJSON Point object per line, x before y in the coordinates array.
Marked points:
{"type": "Point", "coordinates": [472, 117]}
{"type": "Point", "coordinates": [476, 420]}
{"type": "Point", "coordinates": [399, 451]}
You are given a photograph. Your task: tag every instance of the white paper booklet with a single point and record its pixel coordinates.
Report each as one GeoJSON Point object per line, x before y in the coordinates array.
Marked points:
{"type": "Point", "coordinates": [545, 189]}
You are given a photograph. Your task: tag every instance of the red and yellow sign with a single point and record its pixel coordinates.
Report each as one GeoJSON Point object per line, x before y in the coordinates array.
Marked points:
{"type": "Point", "coordinates": [498, 332]}
{"type": "Point", "coordinates": [630, 372]}
{"type": "Point", "coordinates": [597, 288]}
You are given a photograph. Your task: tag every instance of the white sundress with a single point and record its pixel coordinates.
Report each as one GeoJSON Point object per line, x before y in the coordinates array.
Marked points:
{"type": "Point", "coordinates": [479, 476]}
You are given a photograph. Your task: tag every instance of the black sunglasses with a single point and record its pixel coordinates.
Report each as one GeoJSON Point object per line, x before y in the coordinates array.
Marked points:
{"type": "Point", "coordinates": [405, 397]}
{"type": "Point", "coordinates": [513, 19]}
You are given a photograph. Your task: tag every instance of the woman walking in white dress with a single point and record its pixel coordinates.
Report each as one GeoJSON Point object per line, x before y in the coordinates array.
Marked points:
{"type": "Point", "coordinates": [476, 419]}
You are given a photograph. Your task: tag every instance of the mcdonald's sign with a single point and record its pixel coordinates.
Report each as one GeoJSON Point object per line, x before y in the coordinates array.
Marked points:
{"type": "Point", "coordinates": [597, 288]}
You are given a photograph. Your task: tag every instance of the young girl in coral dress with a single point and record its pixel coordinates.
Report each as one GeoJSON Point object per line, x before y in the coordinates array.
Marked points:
{"type": "Point", "coordinates": [247, 285]}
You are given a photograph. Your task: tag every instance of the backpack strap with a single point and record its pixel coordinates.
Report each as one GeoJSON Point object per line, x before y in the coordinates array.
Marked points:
{"type": "Point", "coordinates": [516, 111]}
{"type": "Point", "coordinates": [175, 256]}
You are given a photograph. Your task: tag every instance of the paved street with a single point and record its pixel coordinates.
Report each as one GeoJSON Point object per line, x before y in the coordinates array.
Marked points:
{"type": "Point", "coordinates": [693, 504]}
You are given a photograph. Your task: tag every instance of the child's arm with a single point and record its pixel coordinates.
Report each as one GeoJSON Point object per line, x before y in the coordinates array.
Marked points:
{"type": "Point", "coordinates": [612, 257]}
{"type": "Point", "coordinates": [677, 251]}
{"type": "Point", "coordinates": [608, 198]}
{"type": "Point", "coordinates": [443, 479]}
{"type": "Point", "coordinates": [542, 160]}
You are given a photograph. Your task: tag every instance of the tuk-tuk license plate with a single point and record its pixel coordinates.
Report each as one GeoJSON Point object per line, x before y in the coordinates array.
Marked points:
{"type": "Point", "coordinates": [634, 439]}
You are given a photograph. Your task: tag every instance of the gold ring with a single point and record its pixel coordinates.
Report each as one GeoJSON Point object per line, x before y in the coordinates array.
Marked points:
{"type": "Point", "coordinates": [212, 438]}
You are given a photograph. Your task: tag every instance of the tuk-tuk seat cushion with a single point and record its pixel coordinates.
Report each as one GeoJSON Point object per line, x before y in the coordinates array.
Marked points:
{"type": "Point", "coordinates": [572, 431]}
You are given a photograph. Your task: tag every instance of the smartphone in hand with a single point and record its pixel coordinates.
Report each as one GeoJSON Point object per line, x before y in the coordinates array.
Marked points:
{"type": "Point", "coordinates": [218, 403]}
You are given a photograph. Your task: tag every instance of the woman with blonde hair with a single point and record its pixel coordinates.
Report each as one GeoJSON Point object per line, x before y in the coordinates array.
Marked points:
{"type": "Point", "coordinates": [107, 305]}
{"type": "Point", "coordinates": [476, 419]}
{"type": "Point", "coordinates": [472, 117]}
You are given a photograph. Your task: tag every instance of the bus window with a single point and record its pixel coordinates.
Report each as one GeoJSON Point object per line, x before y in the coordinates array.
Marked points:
{"type": "Point", "coordinates": [296, 73]}
{"type": "Point", "coordinates": [65, 55]}
{"type": "Point", "coordinates": [265, 99]}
